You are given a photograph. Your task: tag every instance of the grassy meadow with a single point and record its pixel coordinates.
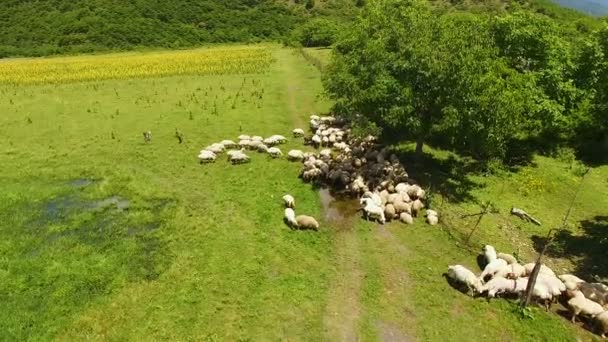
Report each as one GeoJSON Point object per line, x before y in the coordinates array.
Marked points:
{"type": "Point", "coordinates": [105, 237]}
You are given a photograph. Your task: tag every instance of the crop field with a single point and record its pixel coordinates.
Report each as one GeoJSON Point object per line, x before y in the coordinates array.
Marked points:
{"type": "Point", "coordinates": [106, 237]}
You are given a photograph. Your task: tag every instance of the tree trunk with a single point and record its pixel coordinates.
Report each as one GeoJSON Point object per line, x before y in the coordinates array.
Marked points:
{"type": "Point", "coordinates": [419, 144]}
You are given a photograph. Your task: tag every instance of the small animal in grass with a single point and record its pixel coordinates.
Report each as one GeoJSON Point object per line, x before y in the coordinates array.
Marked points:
{"type": "Point", "coordinates": [179, 135]}
{"type": "Point", "coordinates": [148, 136]}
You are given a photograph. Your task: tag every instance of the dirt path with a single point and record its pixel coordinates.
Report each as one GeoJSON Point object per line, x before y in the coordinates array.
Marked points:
{"type": "Point", "coordinates": [343, 310]}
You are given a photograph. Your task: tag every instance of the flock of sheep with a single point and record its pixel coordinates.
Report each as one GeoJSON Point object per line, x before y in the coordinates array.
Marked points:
{"type": "Point", "coordinates": [256, 143]}
{"type": "Point", "coordinates": [503, 275]}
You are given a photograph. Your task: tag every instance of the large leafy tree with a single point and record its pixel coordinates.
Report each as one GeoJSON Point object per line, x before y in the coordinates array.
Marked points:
{"type": "Point", "coordinates": [422, 75]}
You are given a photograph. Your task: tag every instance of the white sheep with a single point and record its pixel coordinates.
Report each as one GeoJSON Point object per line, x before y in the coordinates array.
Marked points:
{"type": "Point", "coordinates": [511, 271]}
{"type": "Point", "coordinates": [257, 138]}
{"type": "Point", "coordinates": [275, 152]}
{"type": "Point", "coordinates": [571, 281]}
{"type": "Point", "coordinates": [543, 269]}
{"type": "Point", "coordinates": [389, 211]}
{"type": "Point", "coordinates": [406, 218]}
{"type": "Point", "coordinates": [372, 210]}
{"type": "Point", "coordinates": [417, 205]}
{"type": "Point", "coordinates": [507, 257]}
{"type": "Point", "coordinates": [555, 286]}
{"type": "Point", "coordinates": [464, 276]}
{"type": "Point", "coordinates": [279, 138]}
{"type": "Point", "coordinates": [298, 132]}
{"type": "Point", "coordinates": [244, 137]}
{"type": "Point", "coordinates": [295, 155]}
{"type": "Point", "coordinates": [581, 305]}
{"type": "Point", "coordinates": [401, 187]}
{"type": "Point", "coordinates": [262, 148]}
{"type": "Point", "coordinates": [228, 143]}
{"type": "Point", "coordinates": [215, 148]}
{"type": "Point", "coordinates": [290, 202]}
{"type": "Point", "coordinates": [432, 220]}
{"type": "Point", "coordinates": [431, 212]}
{"type": "Point", "coordinates": [602, 320]}
{"type": "Point", "coordinates": [206, 156]}
{"type": "Point", "coordinates": [239, 158]}
{"type": "Point", "coordinates": [290, 217]}
{"type": "Point", "coordinates": [244, 142]}
{"type": "Point", "coordinates": [490, 253]}
{"type": "Point", "coordinates": [499, 285]}
{"type": "Point", "coordinates": [492, 267]}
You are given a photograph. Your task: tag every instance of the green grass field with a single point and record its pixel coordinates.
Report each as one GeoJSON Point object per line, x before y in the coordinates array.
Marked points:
{"type": "Point", "coordinates": [104, 237]}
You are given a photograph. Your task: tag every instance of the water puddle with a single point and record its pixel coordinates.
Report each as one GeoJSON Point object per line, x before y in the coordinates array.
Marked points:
{"type": "Point", "coordinates": [119, 202]}
{"type": "Point", "coordinates": [338, 211]}
{"type": "Point", "coordinates": [81, 182]}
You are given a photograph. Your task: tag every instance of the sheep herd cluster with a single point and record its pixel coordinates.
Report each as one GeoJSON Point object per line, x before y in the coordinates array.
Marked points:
{"type": "Point", "coordinates": [362, 168]}
{"type": "Point", "coordinates": [256, 143]}
{"type": "Point", "coordinates": [503, 275]}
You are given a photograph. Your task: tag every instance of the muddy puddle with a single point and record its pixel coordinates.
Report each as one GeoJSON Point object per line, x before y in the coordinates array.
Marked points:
{"type": "Point", "coordinates": [339, 212]}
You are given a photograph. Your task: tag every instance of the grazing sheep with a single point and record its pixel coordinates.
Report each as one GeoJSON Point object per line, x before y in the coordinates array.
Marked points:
{"type": "Point", "coordinates": [307, 222]}
{"type": "Point", "coordinates": [215, 148]}
{"type": "Point", "coordinates": [290, 202]}
{"type": "Point", "coordinates": [147, 136]}
{"type": "Point", "coordinates": [257, 138]}
{"type": "Point", "coordinates": [206, 157]}
{"type": "Point", "coordinates": [602, 321]}
{"type": "Point", "coordinates": [431, 212]}
{"type": "Point", "coordinates": [295, 155]}
{"type": "Point", "coordinates": [464, 276]}
{"type": "Point", "coordinates": [392, 198]}
{"type": "Point", "coordinates": [262, 148]}
{"type": "Point", "coordinates": [406, 218]}
{"type": "Point", "coordinates": [580, 305]}
{"type": "Point", "coordinates": [325, 153]}
{"type": "Point", "coordinates": [228, 143]}
{"type": "Point", "coordinates": [402, 207]}
{"type": "Point", "coordinates": [389, 212]}
{"type": "Point", "coordinates": [316, 141]}
{"type": "Point", "coordinates": [432, 220]}
{"type": "Point", "coordinates": [244, 142]}
{"type": "Point", "coordinates": [511, 271]}
{"type": "Point", "coordinates": [233, 152]}
{"type": "Point", "coordinates": [490, 253]}
{"type": "Point", "coordinates": [507, 257]}
{"type": "Point", "coordinates": [244, 137]}
{"type": "Point", "coordinates": [491, 268]}
{"type": "Point", "coordinates": [500, 285]}
{"type": "Point", "coordinates": [290, 217]}
{"type": "Point", "coordinates": [401, 187]}
{"type": "Point", "coordinates": [571, 281]}
{"type": "Point", "coordinates": [275, 152]}
{"type": "Point", "coordinates": [417, 205]}
{"type": "Point", "coordinates": [239, 158]}
{"type": "Point", "coordinates": [298, 132]}
{"type": "Point", "coordinates": [594, 293]}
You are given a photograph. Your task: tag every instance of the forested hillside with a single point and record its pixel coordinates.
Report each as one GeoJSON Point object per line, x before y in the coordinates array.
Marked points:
{"type": "Point", "coordinates": [44, 27]}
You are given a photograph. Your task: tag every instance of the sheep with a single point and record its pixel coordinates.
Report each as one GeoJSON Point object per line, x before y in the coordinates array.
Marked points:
{"type": "Point", "coordinates": [464, 276]}
{"type": "Point", "coordinates": [314, 117]}
{"type": "Point", "coordinates": [401, 187]}
{"type": "Point", "coordinates": [233, 152]}
{"type": "Point", "coordinates": [432, 220]}
{"type": "Point", "coordinates": [325, 153]}
{"type": "Point", "coordinates": [393, 198]}
{"type": "Point", "coordinates": [244, 137]}
{"type": "Point", "coordinates": [543, 269]}
{"type": "Point", "coordinates": [275, 152]}
{"type": "Point", "coordinates": [492, 267]}
{"type": "Point", "coordinates": [571, 281]}
{"type": "Point", "coordinates": [253, 144]}
{"type": "Point", "coordinates": [594, 292]}
{"type": "Point", "coordinates": [431, 212]}
{"type": "Point", "coordinates": [511, 271]}
{"type": "Point", "coordinates": [228, 143]}
{"type": "Point", "coordinates": [257, 138]}
{"type": "Point", "coordinates": [389, 212]}
{"type": "Point", "coordinates": [290, 202]}
{"type": "Point", "coordinates": [290, 217]}
{"type": "Point", "coordinates": [298, 132]}
{"type": "Point", "coordinates": [402, 207]}
{"type": "Point", "coordinates": [239, 158]}
{"type": "Point", "coordinates": [279, 138]}
{"type": "Point", "coordinates": [262, 148]}
{"type": "Point", "coordinates": [417, 205]}
{"type": "Point", "coordinates": [500, 285]}
{"type": "Point", "coordinates": [413, 191]}
{"type": "Point", "coordinates": [406, 218]}
{"type": "Point", "coordinates": [244, 142]}
{"type": "Point", "coordinates": [602, 321]}
{"type": "Point", "coordinates": [553, 284]}
{"type": "Point", "coordinates": [206, 157]}
{"type": "Point", "coordinates": [507, 257]}
{"type": "Point", "coordinates": [371, 209]}
{"type": "Point", "coordinates": [307, 222]}
{"type": "Point", "coordinates": [405, 197]}
{"type": "Point", "coordinates": [384, 196]}
{"type": "Point", "coordinates": [147, 136]}
{"type": "Point", "coordinates": [295, 155]}
{"type": "Point", "coordinates": [316, 141]}
{"type": "Point", "coordinates": [215, 148]}
{"type": "Point", "coordinates": [490, 253]}
{"type": "Point", "coordinates": [543, 294]}
{"type": "Point", "coordinates": [581, 305]}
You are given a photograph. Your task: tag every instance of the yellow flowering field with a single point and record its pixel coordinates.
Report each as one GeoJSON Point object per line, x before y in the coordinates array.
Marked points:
{"type": "Point", "coordinates": [212, 61]}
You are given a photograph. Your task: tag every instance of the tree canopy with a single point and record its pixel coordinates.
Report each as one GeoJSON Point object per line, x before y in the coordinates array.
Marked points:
{"type": "Point", "coordinates": [471, 82]}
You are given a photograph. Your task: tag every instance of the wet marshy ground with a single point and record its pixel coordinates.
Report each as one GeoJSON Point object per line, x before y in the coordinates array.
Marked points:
{"type": "Point", "coordinates": [340, 211]}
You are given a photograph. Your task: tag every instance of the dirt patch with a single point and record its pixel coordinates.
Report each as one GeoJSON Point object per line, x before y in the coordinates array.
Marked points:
{"type": "Point", "coordinates": [390, 333]}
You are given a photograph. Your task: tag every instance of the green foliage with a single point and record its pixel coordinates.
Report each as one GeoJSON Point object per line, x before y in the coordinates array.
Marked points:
{"type": "Point", "coordinates": [58, 26]}
{"type": "Point", "coordinates": [316, 32]}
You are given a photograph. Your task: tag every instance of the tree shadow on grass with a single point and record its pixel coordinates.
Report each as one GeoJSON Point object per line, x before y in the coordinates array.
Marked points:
{"type": "Point", "coordinates": [589, 250]}
{"type": "Point", "coordinates": [448, 177]}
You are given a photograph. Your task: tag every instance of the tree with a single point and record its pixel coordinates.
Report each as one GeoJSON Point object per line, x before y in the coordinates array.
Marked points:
{"type": "Point", "coordinates": [421, 75]}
